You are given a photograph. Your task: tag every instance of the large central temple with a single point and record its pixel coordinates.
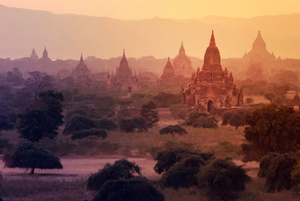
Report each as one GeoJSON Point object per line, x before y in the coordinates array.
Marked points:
{"type": "Point", "coordinates": [212, 87]}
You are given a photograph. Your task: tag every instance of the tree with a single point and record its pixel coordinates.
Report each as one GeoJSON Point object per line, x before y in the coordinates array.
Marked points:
{"type": "Point", "coordinates": [235, 118]}
{"type": "Point", "coordinates": [121, 169]}
{"type": "Point", "coordinates": [249, 101]}
{"type": "Point", "coordinates": [180, 167]}
{"type": "Point", "coordinates": [223, 180]}
{"type": "Point", "coordinates": [172, 129]}
{"type": "Point", "coordinates": [193, 116]}
{"type": "Point", "coordinates": [272, 128]}
{"type": "Point", "coordinates": [5, 124]}
{"type": "Point", "coordinates": [134, 124]}
{"type": "Point", "coordinates": [43, 119]}
{"type": "Point", "coordinates": [129, 190]}
{"type": "Point", "coordinates": [206, 122]}
{"type": "Point", "coordinates": [150, 114]}
{"type": "Point", "coordinates": [278, 171]}
{"type": "Point", "coordinates": [30, 155]}
{"type": "Point", "coordinates": [79, 123]}
{"type": "Point", "coordinates": [269, 96]}
{"type": "Point", "coordinates": [38, 82]}
{"type": "Point", "coordinates": [89, 132]}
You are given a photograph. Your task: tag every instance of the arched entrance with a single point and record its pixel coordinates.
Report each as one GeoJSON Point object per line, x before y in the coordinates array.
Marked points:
{"type": "Point", "coordinates": [209, 105]}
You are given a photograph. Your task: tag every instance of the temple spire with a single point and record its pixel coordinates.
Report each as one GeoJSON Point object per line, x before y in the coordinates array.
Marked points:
{"type": "Point", "coordinates": [182, 50]}
{"type": "Point", "coordinates": [212, 39]}
{"type": "Point", "coordinates": [81, 59]}
{"type": "Point", "coordinates": [124, 53]}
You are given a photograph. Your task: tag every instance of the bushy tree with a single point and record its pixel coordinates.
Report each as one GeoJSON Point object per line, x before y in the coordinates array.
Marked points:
{"type": "Point", "coordinates": [265, 162]}
{"type": "Point", "coordinates": [121, 169]}
{"type": "Point", "coordinates": [180, 167]}
{"type": "Point", "coordinates": [235, 118]}
{"type": "Point", "coordinates": [171, 129]}
{"type": "Point", "coordinates": [295, 174]}
{"type": "Point", "coordinates": [206, 122]}
{"type": "Point", "coordinates": [30, 155]}
{"type": "Point", "coordinates": [134, 124]}
{"type": "Point", "coordinates": [107, 124]}
{"type": "Point", "coordinates": [79, 123]}
{"type": "Point", "coordinates": [278, 171]}
{"type": "Point", "coordinates": [129, 190]}
{"type": "Point", "coordinates": [249, 101]}
{"type": "Point", "coordinates": [5, 124]}
{"type": "Point", "coordinates": [223, 180]}
{"type": "Point", "coordinates": [150, 114]}
{"type": "Point", "coordinates": [89, 132]}
{"type": "Point", "coordinates": [193, 116]}
{"type": "Point", "coordinates": [272, 128]}
{"type": "Point", "coordinates": [43, 119]}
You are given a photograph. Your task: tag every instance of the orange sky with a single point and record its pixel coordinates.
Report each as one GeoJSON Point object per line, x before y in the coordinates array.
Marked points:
{"type": "Point", "coordinates": [179, 9]}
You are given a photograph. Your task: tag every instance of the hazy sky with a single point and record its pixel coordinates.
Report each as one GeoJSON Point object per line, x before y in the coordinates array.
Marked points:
{"type": "Point", "coordinates": [179, 9]}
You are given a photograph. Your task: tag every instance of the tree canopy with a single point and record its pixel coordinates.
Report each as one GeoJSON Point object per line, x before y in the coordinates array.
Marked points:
{"type": "Point", "coordinates": [272, 128]}
{"type": "Point", "coordinates": [171, 129]}
{"type": "Point", "coordinates": [150, 114]}
{"type": "Point", "coordinates": [43, 119]}
{"type": "Point", "coordinates": [30, 155]}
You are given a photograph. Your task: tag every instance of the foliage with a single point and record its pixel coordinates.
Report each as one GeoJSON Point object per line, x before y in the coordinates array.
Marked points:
{"type": "Point", "coordinates": [121, 169]}
{"type": "Point", "coordinates": [89, 132]}
{"type": "Point", "coordinates": [129, 190]}
{"type": "Point", "coordinates": [269, 96]}
{"type": "Point", "coordinates": [167, 158]}
{"type": "Point", "coordinates": [295, 174]}
{"type": "Point", "coordinates": [193, 116]}
{"type": "Point", "coordinates": [235, 118]}
{"type": "Point", "coordinates": [173, 129]}
{"type": "Point", "coordinates": [79, 123]}
{"type": "Point", "coordinates": [273, 128]}
{"type": "Point", "coordinates": [206, 122]}
{"type": "Point", "coordinates": [249, 101]}
{"type": "Point", "coordinates": [182, 174]}
{"type": "Point", "coordinates": [278, 173]}
{"type": "Point", "coordinates": [150, 114]}
{"type": "Point", "coordinates": [30, 155]}
{"type": "Point", "coordinates": [178, 111]}
{"type": "Point", "coordinates": [223, 180]}
{"type": "Point", "coordinates": [44, 119]}
{"type": "Point", "coordinates": [107, 124]}
{"type": "Point", "coordinates": [5, 124]}
{"type": "Point", "coordinates": [74, 112]}
{"type": "Point", "coordinates": [134, 124]}
{"type": "Point", "coordinates": [265, 162]}
{"type": "Point", "coordinates": [279, 100]}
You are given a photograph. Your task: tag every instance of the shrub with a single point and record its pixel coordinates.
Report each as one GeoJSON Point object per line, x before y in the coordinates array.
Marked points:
{"type": "Point", "coordinates": [223, 180]}
{"type": "Point", "coordinates": [235, 118]}
{"type": "Point", "coordinates": [193, 116]}
{"type": "Point", "coordinates": [78, 123]}
{"type": "Point", "coordinates": [121, 169]}
{"type": "Point", "coordinates": [265, 163]}
{"type": "Point", "coordinates": [89, 132]}
{"type": "Point", "coordinates": [134, 124]}
{"type": "Point", "coordinates": [129, 190]}
{"type": "Point", "coordinates": [150, 114]}
{"type": "Point", "coordinates": [206, 122]}
{"type": "Point", "coordinates": [172, 129]}
{"type": "Point", "coordinates": [107, 124]}
{"type": "Point", "coordinates": [295, 175]}
{"type": "Point", "coordinates": [5, 124]}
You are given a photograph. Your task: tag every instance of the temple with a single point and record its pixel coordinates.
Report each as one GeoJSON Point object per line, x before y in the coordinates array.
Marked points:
{"type": "Point", "coordinates": [259, 52]}
{"type": "Point", "coordinates": [81, 73]}
{"type": "Point", "coordinates": [182, 63]}
{"type": "Point", "coordinates": [212, 87]}
{"type": "Point", "coordinates": [123, 78]}
{"type": "Point", "coordinates": [33, 55]}
{"type": "Point", "coordinates": [166, 79]}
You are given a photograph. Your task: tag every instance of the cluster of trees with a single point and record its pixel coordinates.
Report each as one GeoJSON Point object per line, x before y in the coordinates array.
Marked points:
{"type": "Point", "coordinates": [220, 179]}
{"type": "Point", "coordinates": [122, 181]}
{"type": "Point", "coordinates": [201, 120]}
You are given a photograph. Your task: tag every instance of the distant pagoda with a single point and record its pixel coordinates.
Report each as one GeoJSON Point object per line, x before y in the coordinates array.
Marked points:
{"type": "Point", "coordinates": [123, 79]}
{"type": "Point", "coordinates": [168, 74]}
{"type": "Point", "coordinates": [182, 63]}
{"type": "Point", "coordinates": [82, 74]}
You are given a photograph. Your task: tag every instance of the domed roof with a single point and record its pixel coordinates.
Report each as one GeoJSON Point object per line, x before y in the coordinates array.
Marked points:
{"type": "Point", "coordinates": [212, 56]}
{"type": "Point", "coordinates": [259, 42]}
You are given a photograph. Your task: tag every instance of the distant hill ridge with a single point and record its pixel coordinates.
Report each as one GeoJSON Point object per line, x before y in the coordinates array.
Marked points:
{"type": "Point", "coordinates": [67, 36]}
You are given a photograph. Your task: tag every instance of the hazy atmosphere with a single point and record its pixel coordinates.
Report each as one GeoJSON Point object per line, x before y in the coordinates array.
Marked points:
{"type": "Point", "coordinates": [121, 100]}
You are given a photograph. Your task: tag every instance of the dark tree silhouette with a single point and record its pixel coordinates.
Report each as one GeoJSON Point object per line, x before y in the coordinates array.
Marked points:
{"type": "Point", "coordinates": [129, 190]}
{"type": "Point", "coordinates": [272, 128]}
{"type": "Point", "coordinates": [150, 114]}
{"type": "Point", "coordinates": [5, 124]}
{"type": "Point", "coordinates": [89, 132]}
{"type": "Point", "coordinates": [134, 124]}
{"type": "Point", "coordinates": [223, 180]}
{"type": "Point", "coordinates": [121, 169]}
{"type": "Point", "coordinates": [43, 119]}
{"type": "Point", "coordinates": [171, 129]}
{"type": "Point", "coordinates": [30, 155]}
